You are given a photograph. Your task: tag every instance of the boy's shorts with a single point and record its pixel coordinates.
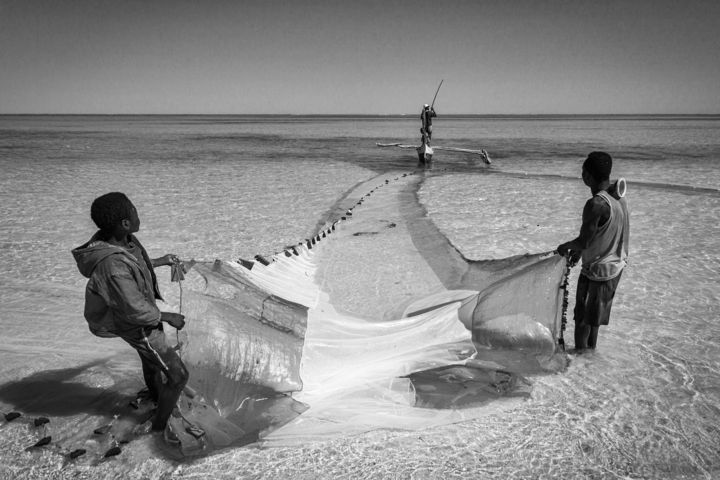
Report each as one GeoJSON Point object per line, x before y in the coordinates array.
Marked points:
{"type": "Point", "coordinates": [594, 300]}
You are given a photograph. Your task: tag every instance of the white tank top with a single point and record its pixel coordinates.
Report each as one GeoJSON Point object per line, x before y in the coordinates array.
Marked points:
{"type": "Point", "coordinates": [606, 256]}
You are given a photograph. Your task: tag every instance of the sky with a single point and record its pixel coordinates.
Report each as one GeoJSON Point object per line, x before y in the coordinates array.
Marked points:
{"type": "Point", "coordinates": [360, 56]}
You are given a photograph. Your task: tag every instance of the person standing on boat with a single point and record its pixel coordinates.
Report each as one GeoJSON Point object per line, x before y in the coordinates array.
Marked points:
{"type": "Point", "coordinates": [426, 117]}
{"type": "Point", "coordinates": [603, 245]}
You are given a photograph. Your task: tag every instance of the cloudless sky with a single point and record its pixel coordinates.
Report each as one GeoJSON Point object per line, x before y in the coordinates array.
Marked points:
{"type": "Point", "coordinates": [359, 56]}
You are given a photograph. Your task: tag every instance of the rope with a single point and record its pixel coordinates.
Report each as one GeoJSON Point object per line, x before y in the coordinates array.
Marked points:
{"type": "Point", "coordinates": [177, 274]}
{"type": "Point", "coordinates": [327, 229]}
{"type": "Point", "coordinates": [564, 286]}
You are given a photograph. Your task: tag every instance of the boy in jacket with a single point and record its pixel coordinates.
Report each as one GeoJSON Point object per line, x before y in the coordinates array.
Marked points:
{"type": "Point", "coordinates": [120, 298]}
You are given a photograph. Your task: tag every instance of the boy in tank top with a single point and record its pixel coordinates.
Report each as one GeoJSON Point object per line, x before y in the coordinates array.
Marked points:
{"type": "Point", "coordinates": [603, 246]}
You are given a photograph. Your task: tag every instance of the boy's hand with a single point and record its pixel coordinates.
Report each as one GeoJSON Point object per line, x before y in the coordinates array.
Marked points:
{"type": "Point", "coordinates": [572, 255]}
{"type": "Point", "coordinates": [168, 259]}
{"type": "Point", "coordinates": [575, 258]}
{"type": "Point", "coordinates": [176, 320]}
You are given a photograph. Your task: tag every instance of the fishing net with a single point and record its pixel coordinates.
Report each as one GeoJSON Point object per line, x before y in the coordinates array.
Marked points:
{"type": "Point", "coordinates": [272, 359]}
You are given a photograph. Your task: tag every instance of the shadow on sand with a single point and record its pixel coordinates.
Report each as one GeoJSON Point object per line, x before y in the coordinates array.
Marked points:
{"type": "Point", "coordinates": [69, 391]}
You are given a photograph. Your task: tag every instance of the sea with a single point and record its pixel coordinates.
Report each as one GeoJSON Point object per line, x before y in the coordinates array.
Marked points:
{"type": "Point", "coordinates": [646, 404]}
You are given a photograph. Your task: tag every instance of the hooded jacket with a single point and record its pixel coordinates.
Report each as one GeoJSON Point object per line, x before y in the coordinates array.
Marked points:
{"type": "Point", "coordinates": [119, 297]}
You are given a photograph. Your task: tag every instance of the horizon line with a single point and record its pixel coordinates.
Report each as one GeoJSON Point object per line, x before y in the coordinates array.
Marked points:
{"type": "Point", "coordinates": [365, 114]}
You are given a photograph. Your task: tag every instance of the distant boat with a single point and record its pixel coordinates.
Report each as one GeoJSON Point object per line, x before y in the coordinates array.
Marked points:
{"type": "Point", "coordinates": [482, 153]}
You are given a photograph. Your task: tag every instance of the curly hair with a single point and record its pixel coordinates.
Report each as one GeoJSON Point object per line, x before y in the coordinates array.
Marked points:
{"type": "Point", "coordinates": [109, 210]}
{"type": "Point", "coordinates": [598, 165]}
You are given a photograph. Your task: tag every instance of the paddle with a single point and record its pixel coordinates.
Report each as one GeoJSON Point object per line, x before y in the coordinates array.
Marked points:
{"type": "Point", "coordinates": [436, 92]}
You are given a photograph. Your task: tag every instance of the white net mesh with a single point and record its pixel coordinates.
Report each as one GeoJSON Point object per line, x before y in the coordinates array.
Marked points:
{"type": "Point", "coordinates": [271, 356]}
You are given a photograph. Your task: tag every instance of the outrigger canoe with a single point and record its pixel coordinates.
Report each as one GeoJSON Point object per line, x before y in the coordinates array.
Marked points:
{"type": "Point", "coordinates": [482, 153]}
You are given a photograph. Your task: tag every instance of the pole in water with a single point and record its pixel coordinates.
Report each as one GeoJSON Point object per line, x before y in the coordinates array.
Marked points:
{"type": "Point", "coordinates": [436, 92]}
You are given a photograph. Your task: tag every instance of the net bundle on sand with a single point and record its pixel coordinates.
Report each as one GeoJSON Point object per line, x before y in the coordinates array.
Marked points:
{"type": "Point", "coordinates": [376, 322]}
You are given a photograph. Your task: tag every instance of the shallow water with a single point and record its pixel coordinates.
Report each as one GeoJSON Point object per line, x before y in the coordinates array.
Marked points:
{"type": "Point", "coordinates": [648, 392]}
{"type": "Point", "coordinates": [645, 405]}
